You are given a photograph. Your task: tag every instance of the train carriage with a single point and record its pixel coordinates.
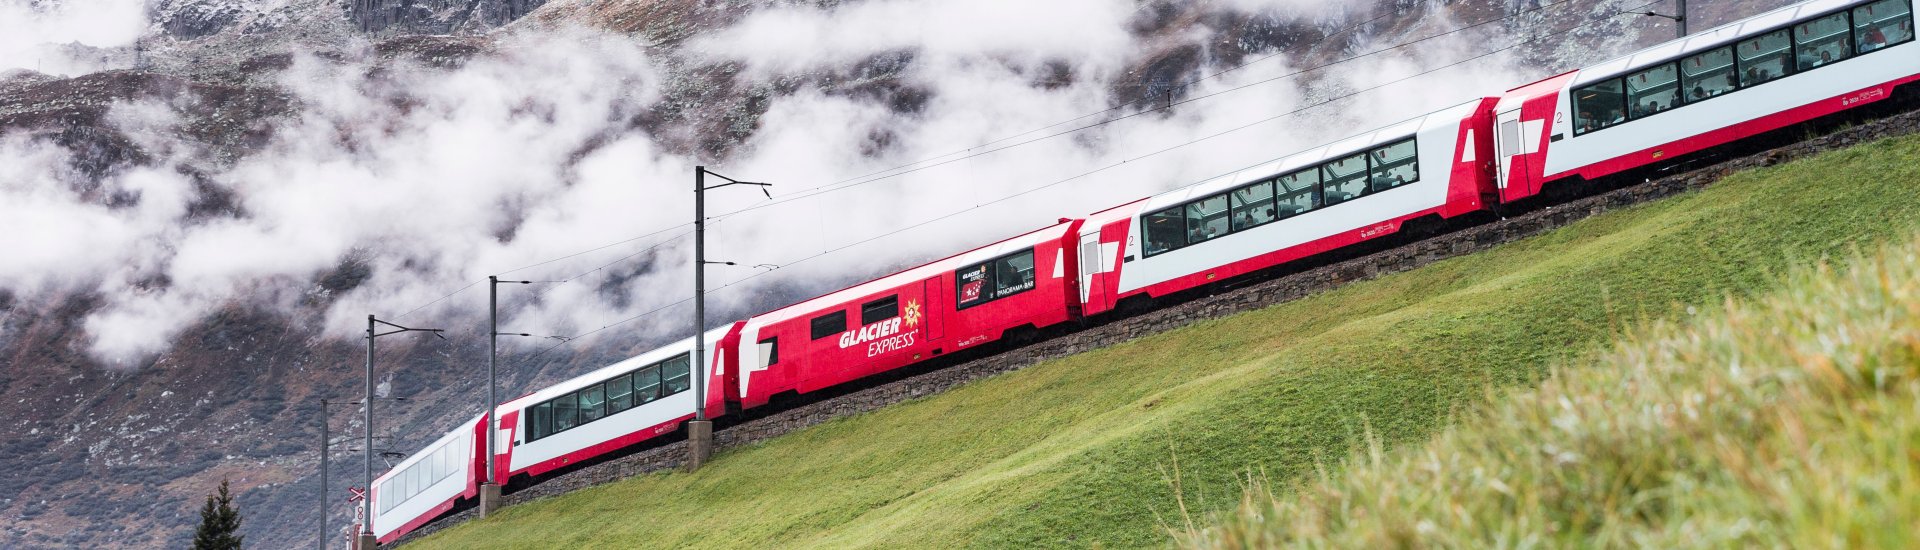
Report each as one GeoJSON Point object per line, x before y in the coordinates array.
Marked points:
{"type": "Point", "coordinates": [430, 482]}
{"type": "Point", "coordinates": [960, 302]}
{"type": "Point", "coordinates": [1757, 75]}
{"type": "Point", "coordinates": [1363, 188]}
{"type": "Point", "coordinates": [1753, 76]}
{"type": "Point", "coordinates": [635, 400]}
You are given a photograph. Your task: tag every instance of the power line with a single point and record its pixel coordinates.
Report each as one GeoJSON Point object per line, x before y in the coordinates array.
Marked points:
{"type": "Point", "coordinates": [892, 173]}
{"type": "Point", "coordinates": [908, 168]}
{"type": "Point", "coordinates": [1174, 147]}
{"type": "Point", "coordinates": [1070, 178]}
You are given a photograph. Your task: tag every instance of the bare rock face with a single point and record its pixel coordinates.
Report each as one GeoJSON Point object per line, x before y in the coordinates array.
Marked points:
{"type": "Point", "coordinates": [436, 16]}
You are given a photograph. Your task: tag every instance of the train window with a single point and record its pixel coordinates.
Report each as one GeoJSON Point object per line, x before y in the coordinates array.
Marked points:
{"type": "Point", "coordinates": [619, 394]}
{"type": "Point", "coordinates": [1599, 106]}
{"type": "Point", "coordinates": [566, 412]}
{"type": "Point", "coordinates": [879, 310]}
{"type": "Point", "coordinates": [385, 494]}
{"type": "Point", "coordinates": [1652, 91]}
{"type": "Point", "coordinates": [1299, 192]}
{"type": "Point", "coordinates": [1764, 58]}
{"type": "Point", "coordinates": [1165, 230]}
{"type": "Point", "coordinates": [675, 375]}
{"type": "Point", "coordinates": [1394, 165]}
{"type": "Point", "coordinates": [1709, 74]}
{"type": "Point", "coordinates": [770, 350]}
{"type": "Point", "coordinates": [1882, 24]}
{"type": "Point", "coordinates": [1013, 274]}
{"type": "Point", "coordinates": [1207, 219]}
{"type": "Point", "coordinates": [971, 286]}
{"type": "Point", "coordinates": [646, 385]}
{"type": "Point", "coordinates": [593, 401]}
{"type": "Point", "coordinates": [1253, 205]}
{"type": "Point", "coordinates": [1822, 41]}
{"type": "Point", "coordinates": [831, 324]}
{"type": "Point", "coordinates": [540, 421]}
{"type": "Point", "coordinates": [1345, 179]}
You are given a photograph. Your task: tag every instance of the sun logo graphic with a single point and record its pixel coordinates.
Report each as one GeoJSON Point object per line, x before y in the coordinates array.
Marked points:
{"type": "Point", "coordinates": [912, 314]}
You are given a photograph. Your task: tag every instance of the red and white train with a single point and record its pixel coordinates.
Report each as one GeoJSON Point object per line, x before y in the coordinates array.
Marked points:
{"type": "Point", "coordinates": [1768, 72]}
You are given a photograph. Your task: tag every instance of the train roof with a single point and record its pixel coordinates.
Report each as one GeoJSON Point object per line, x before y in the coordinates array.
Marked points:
{"type": "Point", "coordinates": [458, 430]}
{"type": "Point", "coordinates": [597, 375]}
{"type": "Point", "coordinates": [1361, 142]}
{"type": "Point", "coordinates": [1711, 38]}
{"type": "Point", "coordinates": [923, 271]}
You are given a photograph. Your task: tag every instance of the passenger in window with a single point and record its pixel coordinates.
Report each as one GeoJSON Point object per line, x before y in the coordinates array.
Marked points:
{"type": "Point", "coordinates": [1586, 121]}
{"type": "Point", "coordinates": [1697, 94]}
{"type": "Point", "coordinates": [1732, 82]}
{"type": "Point", "coordinates": [1616, 117]}
{"type": "Point", "coordinates": [1874, 41]}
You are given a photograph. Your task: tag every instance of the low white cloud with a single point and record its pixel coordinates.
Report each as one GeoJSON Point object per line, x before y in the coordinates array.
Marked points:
{"type": "Point", "coordinates": [64, 37]}
{"type": "Point", "coordinates": [427, 179]}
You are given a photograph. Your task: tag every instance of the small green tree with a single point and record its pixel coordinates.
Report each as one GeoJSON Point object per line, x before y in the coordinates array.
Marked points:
{"type": "Point", "coordinates": [219, 523]}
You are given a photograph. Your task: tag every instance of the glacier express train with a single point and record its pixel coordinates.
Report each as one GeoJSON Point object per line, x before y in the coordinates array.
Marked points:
{"type": "Point", "coordinates": [1645, 110]}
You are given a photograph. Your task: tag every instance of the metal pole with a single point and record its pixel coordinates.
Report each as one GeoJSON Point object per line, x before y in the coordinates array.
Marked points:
{"type": "Point", "coordinates": [699, 292]}
{"type": "Point", "coordinates": [1682, 21]}
{"type": "Point", "coordinates": [366, 504]}
{"type": "Point", "coordinates": [493, 360]}
{"type": "Point", "coordinates": [323, 474]}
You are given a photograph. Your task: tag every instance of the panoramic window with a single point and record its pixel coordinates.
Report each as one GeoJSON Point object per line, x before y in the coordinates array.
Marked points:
{"type": "Point", "coordinates": [592, 403]}
{"type": "Point", "coordinates": [1882, 24]}
{"type": "Point", "coordinates": [1013, 274]}
{"type": "Point", "coordinates": [993, 279]}
{"type": "Point", "coordinates": [1763, 58]}
{"type": "Point", "coordinates": [1822, 41]}
{"type": "Point", "coordinates": [540, 422]}
{"type": "Point", "coordinates": [1599, 106]}
{"type": "Point", "coordinates": [675, 375]}
{"type": "Point", "coordinates": [1165, 230]}
{"type": "Point", "coordinates": [566, 412]}
{"type": "Point", "coordinates": [879, 310]}
{"type": "Point", "coordinates": [646, 385]}
{"type": "Point", "coordinates": [830, 324]}
{"type": "Point", "coordinates": [1299, 192]}
{"type": "Point", "coordinates": [1253, 205]}
{"type": "Point", "coordinates": [1708, 74]}
{"type": "Point", "coordinates": [1395, 165]}
{"type": "Point", "coordinates": [619, 394]}
{"type": "Point", "coordinates": [1345, 179]}
{"type": "Point", "coordinates": [1207, 219]}
{"type": "Point", "coordinates": [1652, 91]}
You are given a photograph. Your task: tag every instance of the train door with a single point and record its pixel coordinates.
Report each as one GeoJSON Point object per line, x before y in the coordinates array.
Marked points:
{"type": "Point", "coordinates": [1514, 182]}
{"type": "Point", "coordinates": [935, 326]}
{"type": "Point", "coordinates": [1091, 264]}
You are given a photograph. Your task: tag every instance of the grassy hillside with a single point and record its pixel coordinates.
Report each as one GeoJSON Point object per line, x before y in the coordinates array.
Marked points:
{"type": "Point", "coordinates": [1113, 447]}
{"type": "Point", "coordinates": [1790, 422]}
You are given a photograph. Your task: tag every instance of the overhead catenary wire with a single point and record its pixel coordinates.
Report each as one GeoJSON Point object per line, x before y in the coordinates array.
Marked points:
{"type": "Point", "coordinates": [892, 173]}
{"type": "Point", "coordinates": [913, 167]}
{"type": "Point", "coordinates": [1024, 192]}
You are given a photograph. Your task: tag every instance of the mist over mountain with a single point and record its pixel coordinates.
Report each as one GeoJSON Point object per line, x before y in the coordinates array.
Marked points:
{"type": "Point", "coordinates": [202, 200]}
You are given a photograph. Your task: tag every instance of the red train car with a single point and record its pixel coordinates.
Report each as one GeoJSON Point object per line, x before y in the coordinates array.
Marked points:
{"type": "Point", "coordinates": [961, 302]}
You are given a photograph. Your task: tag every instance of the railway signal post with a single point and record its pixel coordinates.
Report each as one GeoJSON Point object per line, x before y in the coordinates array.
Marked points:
{"type": "Point", "coordinates": [700, 430]}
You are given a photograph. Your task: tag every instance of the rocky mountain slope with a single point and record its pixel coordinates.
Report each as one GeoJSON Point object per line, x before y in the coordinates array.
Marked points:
{"type": "Point", "coordinates": [114, 450]}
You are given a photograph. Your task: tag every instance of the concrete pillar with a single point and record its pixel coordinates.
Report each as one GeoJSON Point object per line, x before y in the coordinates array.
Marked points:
{"type": "Point", "coordinates": [489, 499]}
{"type": "Point", "coordinates": [699, 443]}
{"type": "Point", "coordinates": [365, 541]}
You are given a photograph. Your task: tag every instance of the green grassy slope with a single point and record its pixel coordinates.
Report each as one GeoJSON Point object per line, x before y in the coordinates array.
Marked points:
{"type": "Point", "coordinates": [1793, 422]}
{"type": "Point", "coordinates": [1086, 450]}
